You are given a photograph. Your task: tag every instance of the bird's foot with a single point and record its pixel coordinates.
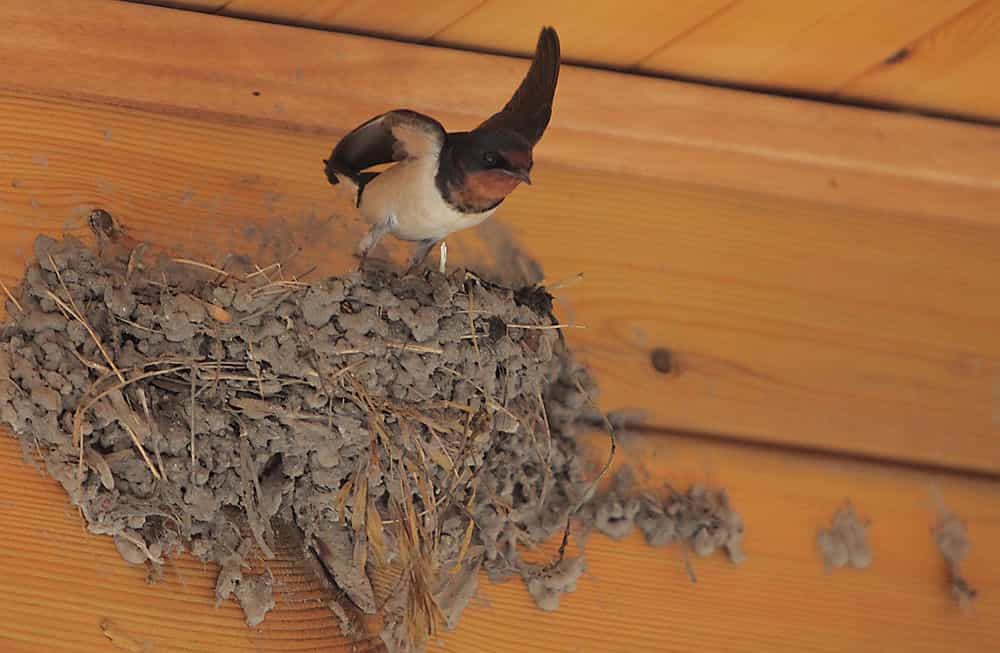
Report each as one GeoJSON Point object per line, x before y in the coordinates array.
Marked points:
{"type": "Point", "coordinates": [419, 255]}
{"type": "Point", "coordinates": [411, 267]}
{"type": "Point", "coordinates": [372, 238]}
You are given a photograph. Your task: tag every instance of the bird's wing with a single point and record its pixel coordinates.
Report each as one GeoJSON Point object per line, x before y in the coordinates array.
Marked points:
{"type": "Point", "coordinates": [392, 136]}
{"type": "Point", "coordinates": [529, 111]}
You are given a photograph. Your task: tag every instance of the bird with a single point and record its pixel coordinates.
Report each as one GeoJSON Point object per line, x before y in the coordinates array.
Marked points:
{"type": "Point", "coordinates": [440, 181]}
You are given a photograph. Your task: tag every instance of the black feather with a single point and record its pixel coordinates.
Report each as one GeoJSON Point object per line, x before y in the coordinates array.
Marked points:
{"type": "Point", "coordinates": [373, 143]}
{"type": "Point", "coordinates": [363, 178]}
{"type": "Point", "coordinates": [528, 112]}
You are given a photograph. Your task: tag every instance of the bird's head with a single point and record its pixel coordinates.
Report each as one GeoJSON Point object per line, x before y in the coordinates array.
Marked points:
{"type": "Point", "coordinates": [494, 162]}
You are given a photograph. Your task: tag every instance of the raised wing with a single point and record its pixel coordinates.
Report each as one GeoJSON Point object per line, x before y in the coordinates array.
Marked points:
{"type": "Point", "coordinates": [529, 111]}
{"type": "Point", "coordinates": [392, 136]}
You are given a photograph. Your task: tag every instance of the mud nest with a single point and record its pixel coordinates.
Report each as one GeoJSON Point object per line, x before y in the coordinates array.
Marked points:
{"type": "Point", "coordinates": [411, 430]}
{"type": "Point", "coordinates": [403, 433]}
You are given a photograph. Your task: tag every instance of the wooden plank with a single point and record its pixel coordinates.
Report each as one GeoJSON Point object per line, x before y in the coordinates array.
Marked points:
{"type": "Point", "coordinates": [198, 5]}
{"type": "Point", "coordinates": [812, 48]}
{"type": "Point", "coordinates": [632, 598]}
{"type": "Point", "coordinates": [406, 20]}
{"type": "Point", "coordinates": [792, 322]}
{"type": "Point", "coordinates": [210, 66]}
{"type": "Point", "coordinates": [946, 70]}
{"type": "Point", "coordinates": [791, 45]}
{"type": "Point", "coordinates": [829, 301]}
{"type": "Point", "coordinates": [400, 19]}
{"type": "Point", "coordinates": [287, 11]}
{"type": "Point", "coordinates": [600, 33]}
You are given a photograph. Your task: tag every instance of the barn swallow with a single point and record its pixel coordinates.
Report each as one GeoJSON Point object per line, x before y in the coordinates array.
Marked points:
{"type": "Point", "coordinates": [443, 181]}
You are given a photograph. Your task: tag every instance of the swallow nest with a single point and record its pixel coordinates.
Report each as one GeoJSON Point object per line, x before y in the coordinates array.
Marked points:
{"type": "Point", "coordinates": [397, 435]}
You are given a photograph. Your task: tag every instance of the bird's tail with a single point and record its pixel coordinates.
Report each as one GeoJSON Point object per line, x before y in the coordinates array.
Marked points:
{"type": "Point", "coordinates": [333, 174]}
{"type": "Point", "coordinates": [353, 182]}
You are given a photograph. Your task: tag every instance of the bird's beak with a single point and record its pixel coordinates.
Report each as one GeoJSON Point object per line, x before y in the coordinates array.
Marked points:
{"type": "Point", "coordinates": [522, 175]}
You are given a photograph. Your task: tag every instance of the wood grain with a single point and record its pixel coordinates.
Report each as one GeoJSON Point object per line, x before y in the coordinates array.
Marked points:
{"type": "Point", "coordinates": [812, 47]}
{"type": "Point", "coordinates": [821, 49]}
{"type": "Point", "coordinates": [287, 11]}
{"type": "Point", "coordinates": [633, 598]}
{"type": "Point", "coordinates": [788, 321]}
{"type": "Point", "coordinates": [408, 20]}
{"type": "Point", "coordinates": [856, 322]}
{"type": "Point", "coordinates": [210, 66]}
{"type": "Point", "coordinates": [594, 32]}
{"type": "Point", "coordinates": [820, 325]}
{"type": "Point", "coordinates": [946, 70]}
{"type": "Point", "coordinates": [199, 5]}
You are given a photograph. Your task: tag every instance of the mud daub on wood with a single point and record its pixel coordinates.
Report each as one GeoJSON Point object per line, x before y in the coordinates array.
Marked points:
{"type": "Point", "coordinates": [182, 406]}
{"type": "Point", "coordinates": [406, 435]}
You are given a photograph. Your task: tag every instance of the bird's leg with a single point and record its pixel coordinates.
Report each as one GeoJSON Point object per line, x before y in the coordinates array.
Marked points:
{"type": "Point", "coordinates": [420, 253]}
{"type": "Point", "coordinates": [443, 263]}
{"type": "Point", "coordinates": [372, 238]}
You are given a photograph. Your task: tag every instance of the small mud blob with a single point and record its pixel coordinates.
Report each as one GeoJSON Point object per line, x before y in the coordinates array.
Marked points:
{"type": "Point", "coordinates": [953, 542]}
{"type": "Point", "coordinates": [455, 593]}
{"type": "Point", "coordinates": [256, 597]}
{"type": "Point", "coordinates": [700, 519]}
{"type": "Point", "coordinates": [845, 542]}
{"type": "Point", "coordinates": [703, 518]}
{"type": "Point", "coordinates": [547, 584]}
{"type": "Point", "coordinates": [614, 514]}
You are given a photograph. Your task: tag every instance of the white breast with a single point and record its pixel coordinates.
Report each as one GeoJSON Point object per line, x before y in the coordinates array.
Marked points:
{"type": "Point", "coordinates": [408, 194]}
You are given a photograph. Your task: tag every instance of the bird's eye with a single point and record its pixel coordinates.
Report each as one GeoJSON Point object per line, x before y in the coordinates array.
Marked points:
{"type": "Point", "coordinates": [490, 158]}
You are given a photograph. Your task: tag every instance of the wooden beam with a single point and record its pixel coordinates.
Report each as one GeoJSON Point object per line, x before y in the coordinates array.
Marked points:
{"type": "Point", "coordinates": [178, 62]}
{"type": "Point", "coordinates": [787, 321]}
{"type": "Point", "coordinates": [946, 70]}
{"type": "Point", "coordinates": [597, 33]}
{"type": "Point", "coordinates": [805, 322]}
{"type": "Point", "coordinates": [632, 598]}
{"type": "Point", "coordinates": [827, 323]}
{"type": "Point", "coordinates": [285, 11]}
{"type": "Point", "coordinates": [197, 5]}
{"type": "Point", "coordinates": [800, 47]}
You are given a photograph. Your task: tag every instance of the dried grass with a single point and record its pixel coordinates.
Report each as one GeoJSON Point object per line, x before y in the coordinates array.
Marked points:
{"type": "Point", "coordinates": [11, 297]}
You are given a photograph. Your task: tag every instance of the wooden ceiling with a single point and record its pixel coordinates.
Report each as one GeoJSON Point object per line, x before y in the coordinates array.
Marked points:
{"type": "Point", "coordinates": [825, 278]}
{"type": "Point", "coordinates": [934, 56]}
